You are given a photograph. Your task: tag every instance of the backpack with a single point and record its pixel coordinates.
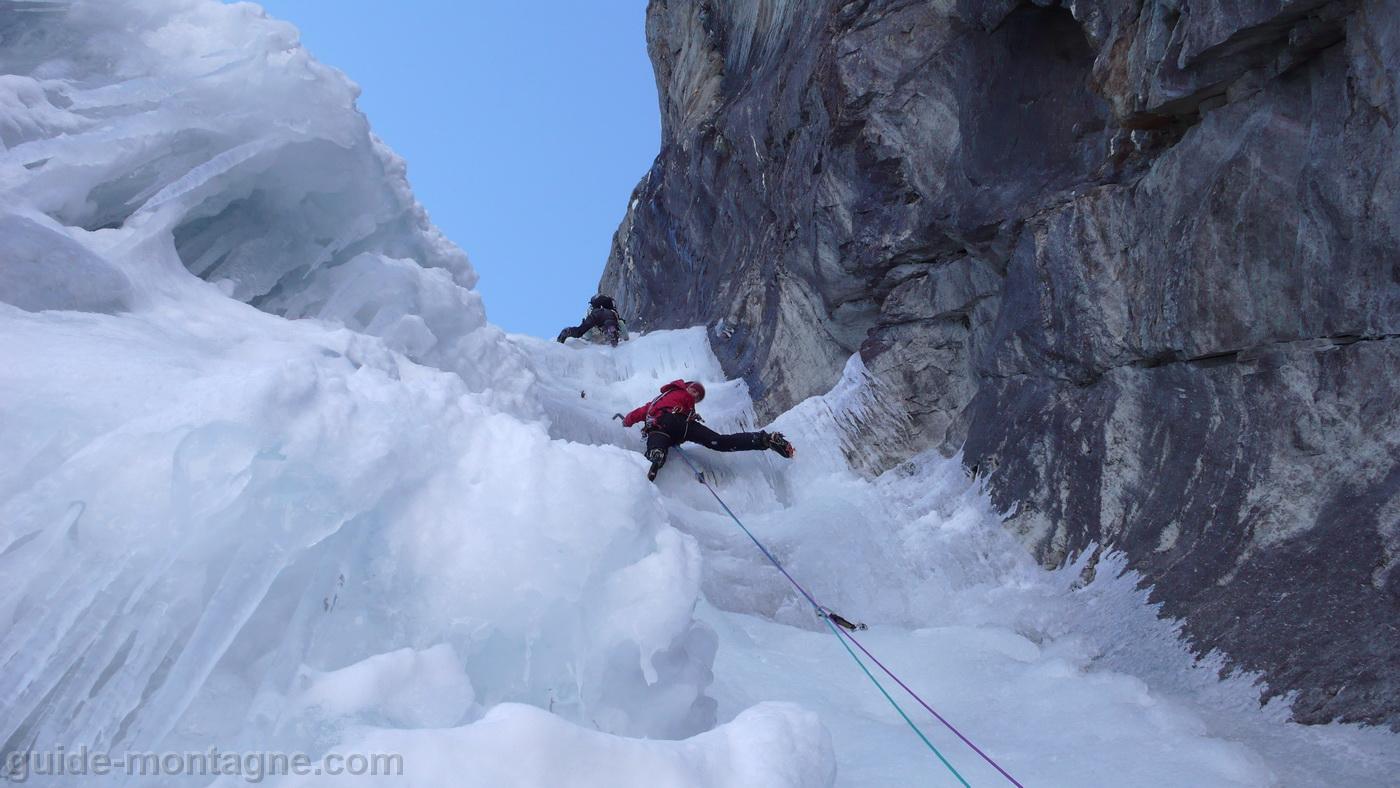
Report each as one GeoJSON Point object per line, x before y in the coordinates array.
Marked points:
{"type": "Point", "coordinates": [649, 423]}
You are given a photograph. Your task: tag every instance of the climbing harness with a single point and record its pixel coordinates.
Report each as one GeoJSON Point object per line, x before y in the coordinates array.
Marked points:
{"type": "Point", "coordinates": [649, 419]}
{"type": "Point", "coordinates": [842, 628]}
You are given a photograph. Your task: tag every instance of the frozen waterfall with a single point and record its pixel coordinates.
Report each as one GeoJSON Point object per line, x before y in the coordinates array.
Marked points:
{"type": "Point", "coordinates": [273, 484]}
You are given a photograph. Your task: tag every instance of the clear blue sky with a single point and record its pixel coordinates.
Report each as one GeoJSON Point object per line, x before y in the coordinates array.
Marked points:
{"type": "Point", "coordinates": [525, 127]}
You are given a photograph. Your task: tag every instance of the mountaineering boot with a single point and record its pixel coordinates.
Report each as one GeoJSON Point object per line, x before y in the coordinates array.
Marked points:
{"type": "Point", "coordinates": [779, 444]}
{"type": "Point", "coordinates": [658, 459]}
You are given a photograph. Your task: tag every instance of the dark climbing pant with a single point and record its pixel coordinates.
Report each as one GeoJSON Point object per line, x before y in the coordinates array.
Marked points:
{"type": "Point", "coordinates": [605, 320]}
{"type": "Point", "coordinates": [672, 428]}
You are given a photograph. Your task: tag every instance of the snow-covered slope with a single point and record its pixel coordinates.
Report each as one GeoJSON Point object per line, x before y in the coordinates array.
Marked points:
{"type": "Point", "coordinates": [208, 508]}
{"type": "Point", "coordinates": [273, 484]}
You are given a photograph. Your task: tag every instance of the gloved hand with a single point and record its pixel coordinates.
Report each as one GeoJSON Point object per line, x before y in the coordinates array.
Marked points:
{"type": "Point", "coordinates": [560, 339]}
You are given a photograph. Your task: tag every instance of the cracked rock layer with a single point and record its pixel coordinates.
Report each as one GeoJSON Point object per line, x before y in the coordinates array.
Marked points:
{"type": "Point", "coordinates": [1138, 259]}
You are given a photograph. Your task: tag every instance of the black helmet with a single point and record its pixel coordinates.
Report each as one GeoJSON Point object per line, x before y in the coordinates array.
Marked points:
{"type": "Point", "coordinates": [601, 302]}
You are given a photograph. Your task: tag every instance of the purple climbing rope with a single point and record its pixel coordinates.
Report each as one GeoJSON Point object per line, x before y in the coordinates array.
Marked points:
{"type": "Point", "coordinates": [846, 634]}
{"type": "Point", "coordinates": [841, 631]}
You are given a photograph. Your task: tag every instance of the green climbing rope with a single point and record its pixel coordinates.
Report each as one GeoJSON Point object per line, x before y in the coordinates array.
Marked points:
{"type": "Point", "coordinates": [824, 614]}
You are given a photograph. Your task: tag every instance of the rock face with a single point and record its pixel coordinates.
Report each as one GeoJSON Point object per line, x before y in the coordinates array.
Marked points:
{"type": "Point", "coordinates": [1138, 259]}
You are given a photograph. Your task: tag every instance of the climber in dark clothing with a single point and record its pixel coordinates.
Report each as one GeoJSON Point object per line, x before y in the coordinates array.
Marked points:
{"type": "Point", "coordinates": [602, 315]}
{"type": "Point", "coordinates": [671, 419]}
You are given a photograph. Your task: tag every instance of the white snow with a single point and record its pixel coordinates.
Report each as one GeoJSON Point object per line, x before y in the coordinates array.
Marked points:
{"type": "Point", "coordinates": [272, 482]}
{"type": "Point", "coordinates": [410, 689]}
{"type": "Point", "coordinates": [771, 745]}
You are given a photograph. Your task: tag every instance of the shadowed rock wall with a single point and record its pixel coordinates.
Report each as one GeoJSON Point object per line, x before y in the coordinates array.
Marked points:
{"type": "Point", "coordinates": [1138, 259]}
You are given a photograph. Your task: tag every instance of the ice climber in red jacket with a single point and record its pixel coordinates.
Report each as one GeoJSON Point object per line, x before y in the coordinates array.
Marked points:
{"type": "Point", "coordinates": [671, 419]}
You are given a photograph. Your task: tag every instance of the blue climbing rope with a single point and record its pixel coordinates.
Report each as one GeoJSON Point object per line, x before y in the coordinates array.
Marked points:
{"type": "Point", "coordinates": [825, 615]}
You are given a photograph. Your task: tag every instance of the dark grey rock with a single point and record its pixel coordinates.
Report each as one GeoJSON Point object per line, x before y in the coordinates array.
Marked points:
{"type": "Point", "coordinates": [1138, 259]}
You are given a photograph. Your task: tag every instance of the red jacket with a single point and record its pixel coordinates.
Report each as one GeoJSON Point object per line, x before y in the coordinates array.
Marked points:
{"type": "Point", "coordinates": [674, 399]}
